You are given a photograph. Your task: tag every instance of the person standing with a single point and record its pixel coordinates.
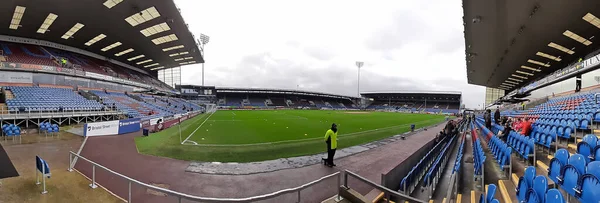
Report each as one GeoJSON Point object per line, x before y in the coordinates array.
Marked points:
{"type": "Point", "coordinates": [331, 141]}
{"type": "Point", "coordinates": [526, 127]}
{"type": "Point", "coordinates": [488, 118]}
{"type": "Point", "coordinates": [497, 116]}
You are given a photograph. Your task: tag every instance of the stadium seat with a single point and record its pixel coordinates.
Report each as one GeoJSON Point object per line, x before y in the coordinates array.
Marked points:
{"type": "Point", "coordinates": [489, 195]}
{"type": "Point", "coordinates": [525, 183]}
{"type": "Point", "coordinates": [586, 146]}
{"type": "Point", "coordinates": [560, 159]}
{"type": "Point", "coordinates": [554, 196]}
{"type": "Point", "coordinates": [538, 191]}
{"type": "Point", "coordinates": [570, 173]}
{"type": "Point", "coordinates": [587, 186]}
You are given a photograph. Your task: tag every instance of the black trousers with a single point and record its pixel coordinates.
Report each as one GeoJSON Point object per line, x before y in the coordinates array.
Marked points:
{"type": "Point", "coordinates": [330, 154]}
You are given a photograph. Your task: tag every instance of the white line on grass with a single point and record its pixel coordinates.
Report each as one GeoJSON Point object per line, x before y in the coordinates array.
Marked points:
{"type": "Point", "coordinates": [308, 139]}
{"type": "Point", "coordinates": [186, 139]}
{"type": "Point", "coordinates": [234, 113]}
{"type": "Point", "coordinates": [271, 119]}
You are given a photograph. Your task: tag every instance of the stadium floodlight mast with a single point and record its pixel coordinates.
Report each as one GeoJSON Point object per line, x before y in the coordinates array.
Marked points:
{"type": "Point", "coordinates": [359, 64]}
{"type": "Point", "coordinates": [203, 41]}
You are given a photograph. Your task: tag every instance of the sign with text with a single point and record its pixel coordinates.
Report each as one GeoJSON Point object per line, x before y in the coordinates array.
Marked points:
{"type": "Point", "coordinates": [101, 128]}
{"type": "Point", "coordinates": [129, 125]}
{"type": "Point", "coordinates": [16, 77]}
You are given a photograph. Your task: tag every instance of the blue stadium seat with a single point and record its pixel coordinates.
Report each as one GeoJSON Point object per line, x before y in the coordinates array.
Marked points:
{"type": "Point", "coordinates": [538, 192]}
{"type": "Point", "coordinates": [586, 146]}
{"type": "Point", "coordinates": [560, 159]}
{"type": "Point", "coordinates": [570, 173]}
{"type": "Point", "coordinates": [554, 196]}
{"type": "Point", "coordinates": [588, 184]}
{"type": "Point", "coordinates": [525, 183]}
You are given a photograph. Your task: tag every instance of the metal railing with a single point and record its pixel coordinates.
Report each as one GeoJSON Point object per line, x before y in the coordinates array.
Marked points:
{"type": "Point", "coordinates": [387, 193]}
{"type": "Point", "coordinates": [183, 196]}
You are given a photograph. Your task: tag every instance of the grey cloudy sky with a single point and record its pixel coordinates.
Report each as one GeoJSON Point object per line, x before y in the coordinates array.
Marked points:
{"type": "Point", "coordinates": [406, 45]}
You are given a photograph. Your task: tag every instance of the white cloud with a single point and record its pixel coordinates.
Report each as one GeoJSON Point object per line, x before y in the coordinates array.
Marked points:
{"type": "Point", "coordinates": [406, 45]}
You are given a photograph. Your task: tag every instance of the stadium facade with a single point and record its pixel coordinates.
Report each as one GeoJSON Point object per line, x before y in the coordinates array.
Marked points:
{"type": "Point", "coordinates": [448, 102]}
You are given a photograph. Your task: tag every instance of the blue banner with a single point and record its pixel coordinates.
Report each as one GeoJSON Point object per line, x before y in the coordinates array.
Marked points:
{"type": "Point", "coordinates": [129, 125]}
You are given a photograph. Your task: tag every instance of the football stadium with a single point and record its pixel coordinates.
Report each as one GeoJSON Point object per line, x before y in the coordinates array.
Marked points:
{"type": "Point", "coordinates": [99, 82]}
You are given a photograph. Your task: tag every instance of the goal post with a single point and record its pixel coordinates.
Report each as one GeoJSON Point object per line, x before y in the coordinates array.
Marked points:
{"type": "Point", "coordinates": [210, 108]}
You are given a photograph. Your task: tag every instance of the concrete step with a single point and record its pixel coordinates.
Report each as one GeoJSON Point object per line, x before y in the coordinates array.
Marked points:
{"type": "Point", "coordinates": [374, 195]}
{"type": "Point", "coordinates": [474, 196]}
{"type": "Point", "coordinates": [507, 190]}
{"type": "Point", "coordinates": [542, 169]}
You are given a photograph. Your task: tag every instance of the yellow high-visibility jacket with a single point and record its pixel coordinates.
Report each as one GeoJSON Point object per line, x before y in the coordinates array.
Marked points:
{"type": "Point", "coordinates": [333, 136]}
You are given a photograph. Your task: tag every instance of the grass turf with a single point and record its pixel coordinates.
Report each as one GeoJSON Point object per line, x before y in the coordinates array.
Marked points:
{"type": "Point", "coordinates": [246, 136]}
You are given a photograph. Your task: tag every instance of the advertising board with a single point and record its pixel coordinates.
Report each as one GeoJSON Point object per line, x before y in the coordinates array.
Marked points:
{"type": "Point", "coordinates": [129, 125]}
{"type": "Point", "coordinates": [101, 128]}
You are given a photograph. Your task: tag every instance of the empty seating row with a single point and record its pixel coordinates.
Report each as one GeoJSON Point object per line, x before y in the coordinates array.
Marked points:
{"type": "Point", "coordinates": [575, 176]}
{"type": "Point", "coordinates": [415, 175]}
{"type": "Point", "coordinates": [435, 171]}
{"type": "Point", "coordinates": [459, 155]}
{"type": "Point", "coordinates": [533, 188]}
{"type": "Point", "coordinates": [523, 145]}
{"type": "Point", "coordinates": [478, 154]}
{"type": "Point", "coordinates": [546, 135]}
{"type": "Point", "coordinates": [131, 107]}
{"type": "Point", "coordinates": [48, 99]}
{"type": "Point", "coordinates": [499, 149]}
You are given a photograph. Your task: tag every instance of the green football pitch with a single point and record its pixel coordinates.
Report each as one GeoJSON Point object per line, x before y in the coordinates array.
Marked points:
{"type": "Point", "coordinates": [246, 136]}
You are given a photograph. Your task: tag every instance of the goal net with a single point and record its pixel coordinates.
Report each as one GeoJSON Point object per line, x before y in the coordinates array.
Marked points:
{"type": "Point", "coordinates": [210, 108]}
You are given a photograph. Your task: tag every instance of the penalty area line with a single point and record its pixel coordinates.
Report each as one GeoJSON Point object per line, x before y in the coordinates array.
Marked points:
{"type": "Point", "coordinates": [186, 139]}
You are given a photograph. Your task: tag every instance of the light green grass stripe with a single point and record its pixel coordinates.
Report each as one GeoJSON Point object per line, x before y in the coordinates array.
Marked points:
{"type": "Point", "coordinates": [308, 139]}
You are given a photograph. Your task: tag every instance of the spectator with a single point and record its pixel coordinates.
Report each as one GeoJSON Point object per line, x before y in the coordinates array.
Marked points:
{"type": "Point", "coordinates": [497, 116]}
{"type": "Point", "coordinates": [526, 127]}
{"type": "Point", "coordinates": [517, 125]}
{"type": "Point", "coordinates": [438, 138]}
{"type": "Point", "coordinates": [449, 129]}
{"type": "Point", "coordinates": [504, 134]}
{"type": "Point", "coordinates": [487, 116]}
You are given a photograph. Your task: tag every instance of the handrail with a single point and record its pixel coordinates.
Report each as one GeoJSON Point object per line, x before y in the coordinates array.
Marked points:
{"type": "Point", "coordinates": [386, 190]}
{"type": "Point", "coordinates": [198, 198]}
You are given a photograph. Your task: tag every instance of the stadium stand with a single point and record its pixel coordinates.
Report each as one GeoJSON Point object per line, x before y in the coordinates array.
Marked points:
{"type": "Point", "coordinates": [131, 107]}
{"type": "Point", "coordinates": [48, 99]}
{"type": "Point", "coordinates": [417, 102]}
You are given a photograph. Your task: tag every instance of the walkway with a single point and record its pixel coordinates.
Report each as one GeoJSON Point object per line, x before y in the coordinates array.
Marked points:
{"type": "Point", "coordinates": [120, 154]}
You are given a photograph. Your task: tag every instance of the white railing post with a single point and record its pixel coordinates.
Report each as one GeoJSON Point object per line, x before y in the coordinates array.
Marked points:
{"type": "Point", "coordinates": [129, 198]}
{"type": "Point", "coordinates": [93, 185]}
{"type": "Point", "coordinates": [70, 162]}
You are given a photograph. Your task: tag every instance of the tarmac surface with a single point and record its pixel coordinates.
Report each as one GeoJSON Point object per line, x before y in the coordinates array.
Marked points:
{"type": "Point", "coordinates": [119, 154]}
